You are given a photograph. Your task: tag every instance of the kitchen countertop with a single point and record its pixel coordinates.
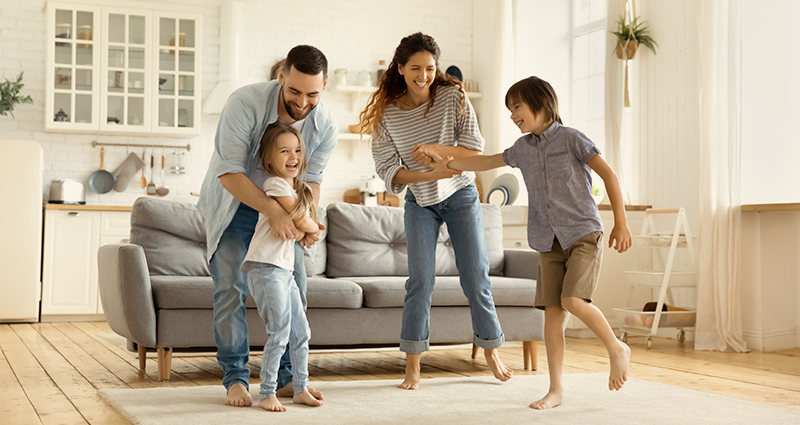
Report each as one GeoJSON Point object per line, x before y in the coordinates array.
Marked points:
{"type": "Point", "coordinates": [72, 207]}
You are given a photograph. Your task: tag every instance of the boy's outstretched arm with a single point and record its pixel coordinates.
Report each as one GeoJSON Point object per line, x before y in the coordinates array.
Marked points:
{"type": "Point", "coordinates": [477, 162]}
{"type": "Point", "coordinates": [620, 238]}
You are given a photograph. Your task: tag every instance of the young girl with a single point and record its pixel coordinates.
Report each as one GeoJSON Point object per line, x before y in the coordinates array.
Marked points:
{"type": "Point", "coordinates": [416, 104]}
{"type": "Point", "coordinates": [563, 222]}
{"type": "Point", "coordinates": [270, 262]}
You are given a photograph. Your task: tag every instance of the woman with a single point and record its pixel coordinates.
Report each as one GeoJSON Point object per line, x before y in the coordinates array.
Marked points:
{"type": "Point", "coordinates": [417, 115]}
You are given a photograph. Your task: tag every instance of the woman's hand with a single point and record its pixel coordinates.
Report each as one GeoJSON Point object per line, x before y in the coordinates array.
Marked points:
{"type": "Point", "coordinates": [441, 170]}
{"type": "Point", "coordinates": [423, 155]}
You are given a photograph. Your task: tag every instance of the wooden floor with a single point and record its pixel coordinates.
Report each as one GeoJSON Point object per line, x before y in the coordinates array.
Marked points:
{"type": "Point", "coordinates": [50, 372]}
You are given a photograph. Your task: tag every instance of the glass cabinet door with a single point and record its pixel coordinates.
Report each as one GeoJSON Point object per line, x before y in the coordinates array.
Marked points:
{"type": "Point", "coordinates": [72, 80]}
{"type": "Point", "coordinates": [127, 85]}
{"type": "Point", "coordinates": [177, 107]}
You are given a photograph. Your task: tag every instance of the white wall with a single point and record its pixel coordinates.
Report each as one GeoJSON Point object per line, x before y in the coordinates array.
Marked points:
{"type": "Point", "coordinates": [353, 34]}
{"type": "Point", "coordinates": [770, 89]}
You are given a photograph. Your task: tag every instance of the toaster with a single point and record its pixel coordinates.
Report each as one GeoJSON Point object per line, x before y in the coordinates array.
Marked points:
{"type": "Point", "coordinates": [67, 191]}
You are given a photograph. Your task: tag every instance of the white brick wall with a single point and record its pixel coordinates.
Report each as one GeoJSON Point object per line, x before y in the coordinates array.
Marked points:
{"type": "Point", "coordinates": [353, 34]}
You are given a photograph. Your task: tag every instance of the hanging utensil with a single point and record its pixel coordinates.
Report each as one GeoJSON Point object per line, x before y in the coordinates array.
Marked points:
{"type": "Point", "coordinates": [143, 180]}
{"type": "Point", "coordinates": [163, 190]}
{"type": "Point", "coordinates": [101, 181]}
{"type": "Point", "coordinates": [151, 187]}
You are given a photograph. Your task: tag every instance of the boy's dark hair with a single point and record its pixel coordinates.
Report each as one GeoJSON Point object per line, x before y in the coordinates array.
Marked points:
{"type": "Point", "coordinates": [306, 59]}
{"type": "Point", "coordinates": [538, 94]}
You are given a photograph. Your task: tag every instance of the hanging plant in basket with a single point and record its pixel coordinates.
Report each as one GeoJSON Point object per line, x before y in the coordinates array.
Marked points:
{"type": "Point", "coordinates": [630, 35]}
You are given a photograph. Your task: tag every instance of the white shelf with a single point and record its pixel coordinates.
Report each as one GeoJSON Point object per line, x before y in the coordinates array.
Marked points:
{"type": "Point", "coordinates": [655, 279]}
{"type": "Point", "coordinates": [355, 140]}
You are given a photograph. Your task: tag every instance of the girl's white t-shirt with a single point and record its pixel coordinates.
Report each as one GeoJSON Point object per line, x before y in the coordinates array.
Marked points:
{"type": "Point", "coordinates": [265, 247]}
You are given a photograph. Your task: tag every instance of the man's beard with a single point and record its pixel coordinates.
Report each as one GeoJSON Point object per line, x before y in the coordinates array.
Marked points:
{"type": "Point", "coordinates": [290, 110]}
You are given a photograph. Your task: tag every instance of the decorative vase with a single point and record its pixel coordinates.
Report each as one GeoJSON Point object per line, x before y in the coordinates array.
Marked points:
{"type": "Point", "coordinates": [627, 49]}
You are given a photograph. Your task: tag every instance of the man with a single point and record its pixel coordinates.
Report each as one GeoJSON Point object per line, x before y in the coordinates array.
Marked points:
{"type": "Point", "coordinates": [231, 198]}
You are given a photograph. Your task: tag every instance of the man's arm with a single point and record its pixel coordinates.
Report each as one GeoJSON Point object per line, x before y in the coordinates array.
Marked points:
{"type": "Point", "coordinates": [243, 189]}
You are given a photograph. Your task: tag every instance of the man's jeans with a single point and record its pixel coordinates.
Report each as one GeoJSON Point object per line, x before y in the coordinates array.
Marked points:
{"type": "Point", "coordinates": [279, 305]}
{"type": "Point", "coordinates": [230, 294]}
{"type": "Point", "coordinates": [464, 218]}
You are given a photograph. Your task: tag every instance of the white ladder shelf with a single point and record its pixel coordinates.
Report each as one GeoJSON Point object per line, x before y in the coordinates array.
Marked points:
{"type": "Point", "coordinates": [635, 321]}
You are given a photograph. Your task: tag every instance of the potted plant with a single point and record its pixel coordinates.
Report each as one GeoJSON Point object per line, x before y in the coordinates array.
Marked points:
{"type": "Point", "coordinates": [9, 95]}
{"type": "Point", "coordinates": [630, 35]}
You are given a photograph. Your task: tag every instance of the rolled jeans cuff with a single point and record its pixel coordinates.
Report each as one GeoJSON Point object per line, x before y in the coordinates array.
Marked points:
{"type": "Point", "coordinates": [414, 347]}
{"type": "Point", "coordinates": [489, 343]}
{"type": "Point", "coordinates": [237, 381]}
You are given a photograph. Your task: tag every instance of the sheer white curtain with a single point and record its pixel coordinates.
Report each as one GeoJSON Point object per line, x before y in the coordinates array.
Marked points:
{"type": "Point", "coordinates": [614, 97]}
{"type": "Point", "coordinates": [719, 317]}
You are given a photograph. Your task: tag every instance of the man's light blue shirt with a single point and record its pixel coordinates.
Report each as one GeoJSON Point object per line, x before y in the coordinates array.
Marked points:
{"type": "Point", "coordinates": [245, 117]}
{"type": "Point", "coordinates": [559, 184]}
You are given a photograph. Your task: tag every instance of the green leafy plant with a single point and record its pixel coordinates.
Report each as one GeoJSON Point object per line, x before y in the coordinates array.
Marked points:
{"type": "Point", "coordinates": [9, 95]}
{"type": "Point", "coordinates": [595, 190]}
{"type": "Point", "coordinates": [634, 31]}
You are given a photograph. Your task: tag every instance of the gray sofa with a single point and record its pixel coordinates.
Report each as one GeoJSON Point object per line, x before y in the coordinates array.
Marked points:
{"type": "Point", "coordinates": [157, 291]}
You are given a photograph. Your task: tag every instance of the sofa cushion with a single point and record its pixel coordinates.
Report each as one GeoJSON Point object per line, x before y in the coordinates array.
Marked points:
{"type": "Point", "coordinates": [172, 235]}
{"type": "Point", "coordinates": [390, 291]}
{"type": "Point", "coordinates": [174, 292]}
{"type": "Point", "coordinates": [371, 241]}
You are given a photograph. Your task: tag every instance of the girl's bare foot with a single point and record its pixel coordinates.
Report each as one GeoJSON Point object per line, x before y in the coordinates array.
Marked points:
{"type": "Point", "coordinates": [271, 404]}
{"type": "Point", "coordinates": [306, 398]}
{"type": "Point", "coordinates": [552, 399]}
{"type": "Point", "coordinates": [288, 391]}
{"type": "Point", "coordinates": [238, 396]}
{"type": "Point", "coordinates": [619, 366]}
{"type": "Point", "coordinates": [497, 367]}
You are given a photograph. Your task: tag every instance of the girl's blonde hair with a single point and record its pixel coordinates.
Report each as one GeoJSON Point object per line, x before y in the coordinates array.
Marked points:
{"type": "Point", "coordinates": [305, 196]}
{"type": "Point", "coordinates": [392, 85]}
{"type": "Point", "coordinates": [538, 94]}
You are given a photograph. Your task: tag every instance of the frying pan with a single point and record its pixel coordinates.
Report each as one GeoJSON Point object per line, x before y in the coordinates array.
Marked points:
{"type": "Point", "coordinates": [101, 181]}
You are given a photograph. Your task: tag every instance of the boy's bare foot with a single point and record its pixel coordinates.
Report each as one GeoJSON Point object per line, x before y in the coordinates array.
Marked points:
{"type": "Point", "coordinates": [497, 367]}
{"type": "Point", "coordinates": [552, 399]}
{"type": "Point", "coordinates": [306, 398]}
{"type": "Point", "coordinates": [288, 391]}
{"type": "Point", "coordinates": [619, 366]}
{"type": "Point", "coordinates": [271, 404]}
{"type": "Point", "coordinates": [238, 396]}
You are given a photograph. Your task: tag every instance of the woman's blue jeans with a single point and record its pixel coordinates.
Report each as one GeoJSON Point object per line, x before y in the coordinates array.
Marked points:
{"type": "Point", "coordinates": [230, 294]}
{"type": "Point", "coordinates": [464, 218]}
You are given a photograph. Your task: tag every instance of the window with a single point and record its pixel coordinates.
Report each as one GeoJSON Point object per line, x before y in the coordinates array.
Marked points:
{"type": "Point", "coordinates": [588, 59]}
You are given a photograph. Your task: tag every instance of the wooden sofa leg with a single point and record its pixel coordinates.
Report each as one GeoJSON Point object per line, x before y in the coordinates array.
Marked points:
{"type": "Point", "coordinates": [164, 363]}
{"type": "Point", "coordinates": [474, 351]}
{"type": "Point", "coordinates": [530, 354]}
{"type": "Point", "coordinates": [142, 357]}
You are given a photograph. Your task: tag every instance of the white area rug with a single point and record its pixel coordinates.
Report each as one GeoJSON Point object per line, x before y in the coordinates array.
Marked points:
{"type": "Point", "coordinates": [454, 400]}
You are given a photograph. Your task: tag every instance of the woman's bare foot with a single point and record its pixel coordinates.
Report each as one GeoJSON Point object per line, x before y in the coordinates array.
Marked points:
{"type": "Point", "coordinates": [288, 391]}
{"type": "Point", "coordinates": [497, 367]}
{"type": "Point", "coordinates": [271, 404]}
{"type": "Point", "coordinates": [411, 381]}
{"type": "Point", "coordinates": [552, 399]}
{"type": "Point", "coordinates": [619, 366]}
{"type": "Point", "coordinates": [238, 396]}
{"type": "Point", "coordinates": [306, 398]}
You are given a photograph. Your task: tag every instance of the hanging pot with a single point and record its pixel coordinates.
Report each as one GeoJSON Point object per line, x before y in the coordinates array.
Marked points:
{"type": "Point", "coordinates": [627, 49]}
{"type": "Point", "coordinates": [101, 181]}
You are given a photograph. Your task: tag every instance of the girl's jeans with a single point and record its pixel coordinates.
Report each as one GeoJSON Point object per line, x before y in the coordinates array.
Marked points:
{"type": "Point", "coordinates": [230, 294]}
{"type": "Point", "coordinates": [464, 218]}
{"type": "Point", "coordinates": [279, 304]}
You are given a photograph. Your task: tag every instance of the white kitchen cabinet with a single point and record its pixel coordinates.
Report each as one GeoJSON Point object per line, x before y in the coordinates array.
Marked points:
{"type": "Point", "coordinates": [72, 238]}
{"type": "Point", "coordinates": [132, 71]}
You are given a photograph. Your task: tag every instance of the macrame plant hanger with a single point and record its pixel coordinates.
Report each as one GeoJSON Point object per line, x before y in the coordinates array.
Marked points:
{"type": "Point", "coordinates": [629, 7]}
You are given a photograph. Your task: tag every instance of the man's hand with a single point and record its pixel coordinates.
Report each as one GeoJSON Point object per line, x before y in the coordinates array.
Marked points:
{"type": "Point", "coordinates": [311, 238]}
{"type": "Point", "coordinates": [423, 155]}
{"type": "Point", "coordinates": [283, 228]}
{"type": "Point", "coordinates": [620, 238]}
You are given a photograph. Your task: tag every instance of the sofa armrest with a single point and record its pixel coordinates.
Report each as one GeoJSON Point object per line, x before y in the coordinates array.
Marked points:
{"type": "Point", "coordinates": [126, 293]}
{"type": "Point", "coordinates": [522, 263]}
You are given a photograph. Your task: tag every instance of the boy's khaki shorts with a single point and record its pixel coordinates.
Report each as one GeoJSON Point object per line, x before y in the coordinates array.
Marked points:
{"type": "Point", "coordinates": [569, 273]}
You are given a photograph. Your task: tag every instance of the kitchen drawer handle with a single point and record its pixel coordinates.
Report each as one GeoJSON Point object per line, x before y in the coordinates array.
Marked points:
{"type": "Point", "coordinates": [517, 243]}
{"type": "Point", "coordinates": [74, 213]}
